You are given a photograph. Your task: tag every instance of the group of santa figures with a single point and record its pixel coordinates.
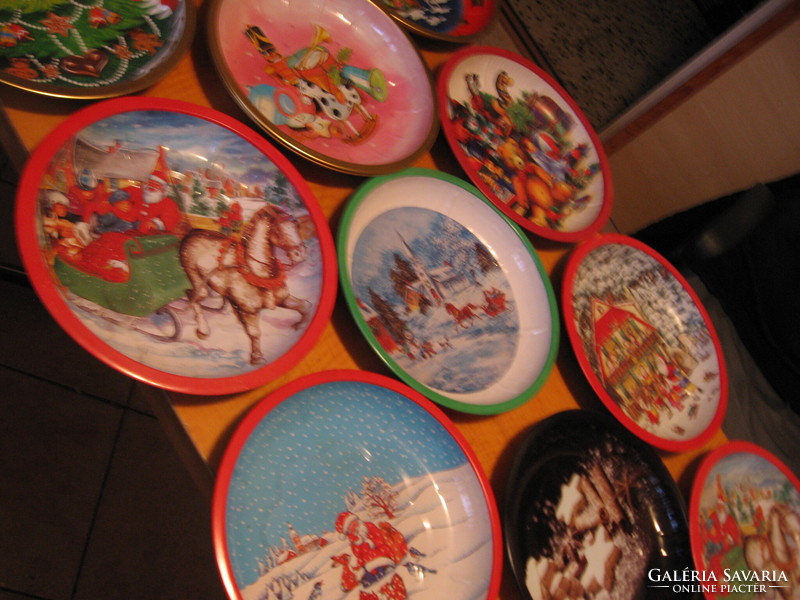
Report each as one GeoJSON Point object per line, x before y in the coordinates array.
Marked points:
{"type": "Point", "coordinates": [87, 221]}
{"type": "Point", "coordinates": [88, 210]}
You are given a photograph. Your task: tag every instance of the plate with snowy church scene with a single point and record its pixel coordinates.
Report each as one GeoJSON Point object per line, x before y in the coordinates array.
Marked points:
{"type": "Point", "coordinates": [351, 485]}
{"type": "Point", "coordinates": [176, 245]}
{"type": "Point", "coordinates": [448, 20]}
{"type": "Point", "coordinates": [339, 83]}
{"type": "Point", "coordinates": [448, 292]}
{"type": "Point", "coordinates": [744, 516]}
{"type": "Point", "coordinates": [645, 342]}
{"type": "Point", "coordinates": [96, 49]}
{"type": "Point", "coordinates": [592, 512]}
{"type": "Point", "coordinates": [525, 143]}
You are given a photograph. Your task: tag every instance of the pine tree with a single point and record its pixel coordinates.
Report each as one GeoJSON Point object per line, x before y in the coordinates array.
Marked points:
{"type": "Point", "coordinates": [402, 275]}
{"type": "Point", "coordinates": [486, 261]}
{"type": "Point", "coordinates": [394, 324]}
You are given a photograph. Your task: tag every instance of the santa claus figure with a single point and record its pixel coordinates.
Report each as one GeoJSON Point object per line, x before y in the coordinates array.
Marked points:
{"type": "Point", "coordinates": [375, 547]}
{"type": "Point", "coordinates": [158, 213]}
{"type": "Point", "coordinates": [85, 194]}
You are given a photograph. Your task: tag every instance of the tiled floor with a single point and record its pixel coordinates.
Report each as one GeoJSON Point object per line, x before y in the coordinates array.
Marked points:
{"type": "Point", "coordinates": [94, 501]}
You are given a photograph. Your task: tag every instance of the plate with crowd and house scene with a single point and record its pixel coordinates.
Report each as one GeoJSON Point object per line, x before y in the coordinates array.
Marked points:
{"type": "Point", "coordinates": [351, 485]}
{"type": "Point", "coordinates": [645, 342]}
{"type": "Point", "coordinates": [744, 516]}
{"type": "Point", "coordinates": [525, 143]}
{"type": "Point", "coordinates": [339, 83]}
{"type": "Point", "coordinates": [96, 49]}
{"type": "Point", "coordinates": [176, 245]}
{"type": "Point", "coordinates": [448, 292]}
{"type": "Point", "coordinates": [448, 20]}
{"type": "Point", "coordinates": [592, 512]}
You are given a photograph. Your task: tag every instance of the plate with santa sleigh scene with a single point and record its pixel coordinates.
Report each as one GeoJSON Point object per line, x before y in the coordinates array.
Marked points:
{"type": "Point", "coordinates": [592, 512]}
{"type": "Point", "coordinates": [447, 20]}
{"type": "Point", "coordinates": [339, 83]}
{"type": "Point", "coordinates": [744, 516]}
{"type": "Point", "coordinates": [92, 50]}
{"type": "Point", "coordinates": [645, 342]}
{"type": "Point", "coordinates": [176, 245]}
{"type": "Point", "coordinates": [448, 292]}
{"type": "Point", "coordinates": [351, 485]}
{"type": "Point", "coordinates": [525, 143]}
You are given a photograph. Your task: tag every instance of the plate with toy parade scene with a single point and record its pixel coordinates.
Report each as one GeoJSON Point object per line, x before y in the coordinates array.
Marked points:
{"type": "Point", "coordinates": [348, 484]}
{"type": "Point", "coordinates": [525, 143]}
{"type": "Point", "coordinates": [645, 342]}
{"type": "Point", "coordinates": [744, 516]}
{"type": "Point", "coordinates": [592, 512]}
{"type": "Point", "coordinates": [96, 50]}
{"type": "Point", "coordinates": [449, 292]}
{"type": "Point", "coordinates": [339, 83]}
{"type": "Point", "coordinates": [447, 20]}
{"type": "Point", "coordinates": [176, 245]}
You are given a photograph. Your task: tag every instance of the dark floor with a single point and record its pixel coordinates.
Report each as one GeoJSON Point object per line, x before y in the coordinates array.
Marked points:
{"type": "Point", "coordinates": [95, 503]}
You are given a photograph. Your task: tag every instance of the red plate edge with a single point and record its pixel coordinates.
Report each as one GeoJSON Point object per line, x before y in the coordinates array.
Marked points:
{"type": "Point", "coordinates": [269, 402]}
{"type": "Point", "coordinates": [706, 465]}
{"type": "Point", "coordinates": [605, 167]}
{"type": "Point", "coordinates": [573, 262]}
{"type": "Point", "coordinates": [43, 283]}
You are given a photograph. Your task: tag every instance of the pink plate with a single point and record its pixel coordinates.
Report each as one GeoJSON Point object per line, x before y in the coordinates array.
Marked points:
{"type": "Point", "coordinates": [644, 342]}
{"type": "Point", "coordinates": [448, 20]}
{"type": "Point", "coordinates": [744, 522]}
{"type": "Point", "coordinates": [337, 82]}
{"type": "Point", "coordinates": [525, 143]}
{"type": "Point", "coordinates": [143, 221]}
{"type": "Point", "coordinates": [347, 484]}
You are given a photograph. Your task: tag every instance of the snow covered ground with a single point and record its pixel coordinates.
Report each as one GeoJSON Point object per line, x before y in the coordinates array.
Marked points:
{"type": "Point", "coordinates": [226, 352]}
{"type": "Point", "coordinates": [438, 517]}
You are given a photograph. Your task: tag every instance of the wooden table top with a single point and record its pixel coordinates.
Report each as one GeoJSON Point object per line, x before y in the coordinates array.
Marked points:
{"type": "Point", "coordinates": [208, 422]}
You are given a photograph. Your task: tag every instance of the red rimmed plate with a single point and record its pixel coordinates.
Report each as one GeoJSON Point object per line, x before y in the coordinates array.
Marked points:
{"type": "Point", "coordinates": [447, 20]}
{"type": "Point", "coordinates": [339, 83]}
{"type": "Point", "coordinates": [645, 342]}
{"type": "Point", "coordinates": [744, 518]}
{"type": "Point", "coordinates": [345, 484]}
{"type": "Point", "coordinates": [449, 293]}
{"type": "Point", "coordinates": [525, 143]}
{"type": "Point", "coordinates": [92, 50]}
{"type": "Point", "coordinates": [143, 221]}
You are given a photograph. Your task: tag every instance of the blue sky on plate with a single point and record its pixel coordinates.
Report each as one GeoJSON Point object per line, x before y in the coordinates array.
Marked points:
{"type": "Point", "coordinates": [309, 451]}
{"type": "Point", "coordinates": [192, 141]}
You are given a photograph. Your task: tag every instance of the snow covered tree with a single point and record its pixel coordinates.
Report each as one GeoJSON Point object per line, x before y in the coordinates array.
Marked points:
{"type": "Point", "coordinates": [394, 324]}
{"type": "Point", "coordinates": [486, 261]}
{"type": "Point", "coordinates": [379, 497]}
{"type": "Point", "coordinates": [402, 275]}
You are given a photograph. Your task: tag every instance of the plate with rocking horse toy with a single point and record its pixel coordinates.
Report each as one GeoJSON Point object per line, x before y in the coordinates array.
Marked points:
{"type": "Point", "coordinates": [176, 245]}
{"type": "Point", "coordinates": [339, 83]}
{"type": "Point", "coordinates": [744, 515]}
{"type": "Point", "coordinates": [348, 484]}
{"type": "Point", "coordinates": [94, 50]}
{"type": "Point", "coordinates": [525, 143]}
{"type": "Point", "coordinates": [645, 342]}
{"type": "Point", "coordinates": [448, 292]}
{"type": "Point", "coordinates": [446, 20]}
